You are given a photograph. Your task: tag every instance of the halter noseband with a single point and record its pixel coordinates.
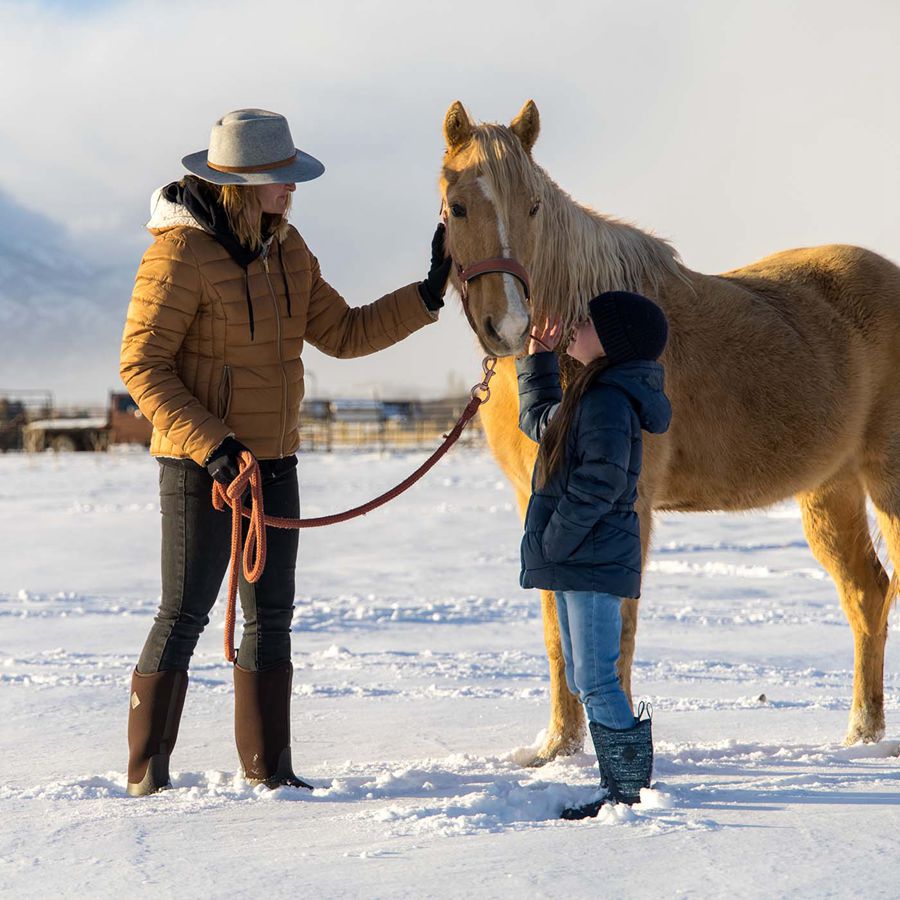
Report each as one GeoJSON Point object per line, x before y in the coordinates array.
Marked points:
{"type": "Point", "coordinates": [500, 264]}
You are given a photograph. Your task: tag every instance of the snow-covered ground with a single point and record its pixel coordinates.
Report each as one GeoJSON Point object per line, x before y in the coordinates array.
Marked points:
{"type": "Point", "coordinates": [419, 674]}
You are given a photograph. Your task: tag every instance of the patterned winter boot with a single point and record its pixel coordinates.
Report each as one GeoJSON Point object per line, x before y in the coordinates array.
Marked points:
{"type": "Point", "coordinates": [625, 758]}
{"type": "Point", "coordinates": [156, 704]}
{"type": "Point", "coordinates": [262, 725]}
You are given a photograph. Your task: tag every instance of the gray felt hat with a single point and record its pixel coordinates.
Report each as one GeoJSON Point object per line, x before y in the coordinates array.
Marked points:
{"type": "Point", "coordinates": [252, 146]}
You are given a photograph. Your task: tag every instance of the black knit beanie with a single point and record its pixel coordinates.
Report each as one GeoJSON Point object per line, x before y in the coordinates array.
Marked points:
{"type": "Point", "coordinates": [629, 326]}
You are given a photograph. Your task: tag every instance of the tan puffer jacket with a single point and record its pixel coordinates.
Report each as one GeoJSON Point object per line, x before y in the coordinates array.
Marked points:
{"type": "Point", "coordinates": [188, 359]}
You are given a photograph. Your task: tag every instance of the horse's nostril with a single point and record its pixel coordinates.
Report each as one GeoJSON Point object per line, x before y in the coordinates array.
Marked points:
{"type": "Point", "coordinates": [489, 328]}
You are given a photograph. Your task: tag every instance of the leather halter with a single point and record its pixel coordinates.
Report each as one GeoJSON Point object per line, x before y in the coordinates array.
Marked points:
{"type": "Point", "coordinates": [500, 265]}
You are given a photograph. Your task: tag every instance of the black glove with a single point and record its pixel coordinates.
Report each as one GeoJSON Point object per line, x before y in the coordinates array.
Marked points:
{"type": "Point", "coordinates": [224, 462]}
{"type": "Point", "coordinates": [432, 288]}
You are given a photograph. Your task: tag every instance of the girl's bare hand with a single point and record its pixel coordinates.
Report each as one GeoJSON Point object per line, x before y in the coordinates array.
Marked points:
{"type": "Point", "coordinates": [545, 338]}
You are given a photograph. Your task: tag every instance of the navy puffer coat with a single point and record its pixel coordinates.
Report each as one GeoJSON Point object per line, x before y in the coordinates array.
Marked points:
{"type": "Point", "coordinates": [581, 530]}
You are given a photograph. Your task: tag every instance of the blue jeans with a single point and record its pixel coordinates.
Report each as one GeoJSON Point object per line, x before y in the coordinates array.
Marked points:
{"type": "Point", "coordinates": [590, 628]}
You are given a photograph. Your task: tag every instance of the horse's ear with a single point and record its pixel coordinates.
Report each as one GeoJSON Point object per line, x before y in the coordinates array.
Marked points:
{"type": "Point", "coordinates": [457, 126]}
{"type": "Point", "coordinates": [527, 125]}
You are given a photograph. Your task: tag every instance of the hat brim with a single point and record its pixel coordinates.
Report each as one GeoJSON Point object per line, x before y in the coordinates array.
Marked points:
{"type": "Point", "coordinates": [303, 168]}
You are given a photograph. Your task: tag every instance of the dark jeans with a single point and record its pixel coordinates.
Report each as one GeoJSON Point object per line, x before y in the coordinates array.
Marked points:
{"type": "Point", "coordinates": [196, 544]}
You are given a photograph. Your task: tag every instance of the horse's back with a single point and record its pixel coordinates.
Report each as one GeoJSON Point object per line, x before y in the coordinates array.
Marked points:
{"type": "Point", "coordinates": [777, 373]}
{"type": "Point", "coordinates": [861, 290]}
{"type": "Point", "coordinates": [862, 286]}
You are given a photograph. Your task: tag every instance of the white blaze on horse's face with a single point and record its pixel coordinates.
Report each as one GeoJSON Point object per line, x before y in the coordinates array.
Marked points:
{"type": "Point", "coordinates": [517, 320]}
{"type": "Point", "coordinates": [491, 213]}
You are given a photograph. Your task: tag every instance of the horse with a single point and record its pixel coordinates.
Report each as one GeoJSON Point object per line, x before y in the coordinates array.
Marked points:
{"type": "Point", "coordinates": [782, 377]}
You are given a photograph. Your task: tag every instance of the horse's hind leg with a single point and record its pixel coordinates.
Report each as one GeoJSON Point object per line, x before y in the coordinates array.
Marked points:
{"type": "Point", "coordinates": [882, 480]}
{"type": "Point", "coordinates": [836, 526]}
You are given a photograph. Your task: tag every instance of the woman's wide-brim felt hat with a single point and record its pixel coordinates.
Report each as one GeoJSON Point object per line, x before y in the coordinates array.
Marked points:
{"type": "Point", "coordinates": [252, 146]}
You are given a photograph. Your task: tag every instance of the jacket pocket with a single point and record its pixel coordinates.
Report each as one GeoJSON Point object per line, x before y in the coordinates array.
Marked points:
{"type": "Point", "coordinates": [224, 402]}
{"type": "Point", "coordinates": [531, 551]}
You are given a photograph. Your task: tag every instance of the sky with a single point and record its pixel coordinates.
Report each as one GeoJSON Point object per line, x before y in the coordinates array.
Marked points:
{"type": "Point", "coordinates": [733, 129]}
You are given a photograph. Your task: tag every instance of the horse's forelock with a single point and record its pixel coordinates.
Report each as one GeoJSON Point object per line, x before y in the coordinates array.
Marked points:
{"type": "Point", "coordinates": [500, 156]}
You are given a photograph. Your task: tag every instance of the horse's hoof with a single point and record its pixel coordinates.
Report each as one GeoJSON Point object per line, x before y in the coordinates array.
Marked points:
{"type": "Point", "coordinates": [865, 728]}
{"type": "Point", "coordinates": [554, 747]}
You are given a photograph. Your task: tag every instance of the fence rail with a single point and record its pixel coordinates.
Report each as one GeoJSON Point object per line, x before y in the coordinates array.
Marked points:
{"type": "Point", "coordinates": [383, 424]}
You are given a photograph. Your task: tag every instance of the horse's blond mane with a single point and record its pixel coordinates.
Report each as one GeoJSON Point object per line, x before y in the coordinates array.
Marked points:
{"type": "Point", "coordinates": [581, 252]}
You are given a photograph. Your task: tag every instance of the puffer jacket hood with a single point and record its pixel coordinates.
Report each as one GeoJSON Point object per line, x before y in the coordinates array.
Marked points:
{"type": "Point", "coordinates": [644, 383]}
{"type": "Point", "coordinates": [192, 199]}
{"type": "Point", "coordinates": [166, 213]}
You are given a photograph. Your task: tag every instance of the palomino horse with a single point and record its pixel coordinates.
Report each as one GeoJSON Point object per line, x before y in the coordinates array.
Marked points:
{"type": "Point", "coordinates": [782, 377]}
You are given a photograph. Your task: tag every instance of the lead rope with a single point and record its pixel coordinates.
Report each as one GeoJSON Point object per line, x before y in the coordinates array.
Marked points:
{"type": "Point", "coordinates": [254, 552]}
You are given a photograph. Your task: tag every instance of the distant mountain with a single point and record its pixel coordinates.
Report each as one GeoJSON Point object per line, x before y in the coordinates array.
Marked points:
{"type": "Point", "coordinates": [62, 314]}
{"type": "Point", "coordinates": [61, 317]}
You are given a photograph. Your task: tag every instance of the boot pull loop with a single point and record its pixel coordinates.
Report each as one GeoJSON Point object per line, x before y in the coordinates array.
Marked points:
{"type": "Point", "coordinates": [644, 708]}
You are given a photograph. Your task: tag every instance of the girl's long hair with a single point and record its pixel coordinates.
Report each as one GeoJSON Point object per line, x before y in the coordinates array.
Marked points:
{"type": "Point", "coordinates": [552, 451]}
{"type": "Point", "coordinates": [250, 225]}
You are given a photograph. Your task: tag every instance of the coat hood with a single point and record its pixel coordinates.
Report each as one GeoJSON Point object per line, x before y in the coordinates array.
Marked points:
{"type": "Point", "coordinates": [190, 203]}
{"type": "Point", "coordinates": [644, 383]}
{"type": "Point", "coordinates": [166, 213]}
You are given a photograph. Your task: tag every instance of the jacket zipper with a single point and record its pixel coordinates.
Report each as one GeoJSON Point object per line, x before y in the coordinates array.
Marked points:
{"type": "Point", "coordinates": [265, 262]}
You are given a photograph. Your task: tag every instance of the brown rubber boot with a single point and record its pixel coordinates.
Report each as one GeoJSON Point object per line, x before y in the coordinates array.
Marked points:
{"type": "Point", "coordinates": [262, 725]}
{"type": "Point", "coordinates": [156, 704]}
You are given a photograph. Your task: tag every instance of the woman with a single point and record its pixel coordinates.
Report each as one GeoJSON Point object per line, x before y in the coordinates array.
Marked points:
{"type": "Point", "coordinates": [223, 301]}
{"type": "Point", "coordinates": [582, 536]}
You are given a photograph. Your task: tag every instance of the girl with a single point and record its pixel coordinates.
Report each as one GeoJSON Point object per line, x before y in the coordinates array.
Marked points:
{"type": "Point", "coordinates": [582, 536]}
{"type": "Point", "coordinates": [223, 302]}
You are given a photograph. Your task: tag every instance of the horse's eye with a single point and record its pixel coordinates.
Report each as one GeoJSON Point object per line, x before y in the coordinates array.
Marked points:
{"type": "Point", "coordinates": [535, 208]}
{"type": "Point", "coordinates": [458, 210]}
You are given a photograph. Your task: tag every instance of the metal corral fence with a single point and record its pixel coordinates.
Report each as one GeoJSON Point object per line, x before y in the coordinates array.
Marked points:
{"type": "Point", "coordinates": [31, 421]}
{"type": "Point", "coordinates": [383, 424]}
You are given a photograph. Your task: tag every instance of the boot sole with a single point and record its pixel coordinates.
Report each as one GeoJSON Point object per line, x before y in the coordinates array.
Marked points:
{"type": "Point", "coordinates": [284, 775]}
{"type": "Point", "coordinates": [587, 811]}
{"type": "Point", "coordinates": [155, 779]}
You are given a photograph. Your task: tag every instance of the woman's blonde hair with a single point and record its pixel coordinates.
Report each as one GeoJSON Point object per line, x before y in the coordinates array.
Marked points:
{"type": "Point", "coordinates": [250, 225]}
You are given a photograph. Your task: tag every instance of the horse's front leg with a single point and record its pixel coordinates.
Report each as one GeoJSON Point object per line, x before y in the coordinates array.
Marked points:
{"type": "Point", "coordinates": [626, 645]}
{"type": "Point", "coordinates": [566, 731]}
{"type": "Point", "coordinates": [644, 509]}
